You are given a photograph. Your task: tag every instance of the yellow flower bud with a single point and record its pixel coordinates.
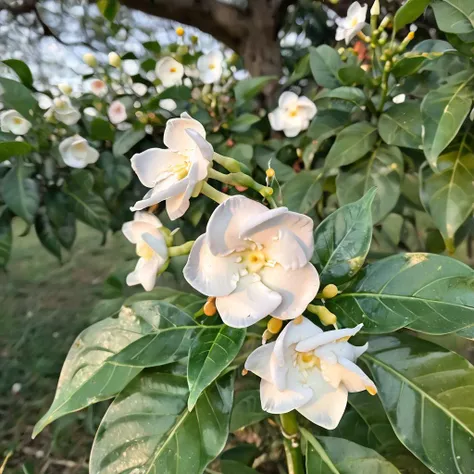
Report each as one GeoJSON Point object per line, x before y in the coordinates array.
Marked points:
{"type": "Point", "coordinates": [114, 59]}
{"type": "Point", "coordinates": [180, 31]}
{"type": "Point", "coordinates": [90, 59]}
{"type": "Point", "coordinates": [194, 39]}
{"type": "Point", "coordinates": [274, 325]}
{"type": "Point", "coordinates": [329, 291]}
{"type": "Point", "coordinates": [324, 315]}
{"type": "Point", "coordinates": [65, 88]}
{"type": "Point", "coordinates": [270, 173]}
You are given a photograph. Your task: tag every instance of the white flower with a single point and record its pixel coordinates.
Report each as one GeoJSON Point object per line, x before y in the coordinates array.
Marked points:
{"type": "Point", "coordinates": [13, 122]}
{"type": "Point", "coordinates": [169, 71]}
{"type": "Point", "coordinates": [98, 87]}
{"type": "Point", "coordinates": [139, 89]}
{"type": "Point", "coordinates": [255, 261]}
{"type": "Point", "coordinates": [375, 10]}
{"type": "Point", "coordinates": [77, 153]}
{"type": "Point", "coordinates": [63, 111]}
{"type": "Point", "coordinates": [65, 88]}
{"type": "Point", "coordinates": [292, 115]}
{"type": "Point", "coordinates": [114, 59]}
{"type": "Point", "coordinates": [210, 66]}
{"type": "Point", "coordinates": [168, 104]}
{"type": "Point", "coordinates": [16, 388]}
{"type": "Point", "coordinates": [150, 247]}
{"type": "Point", "coordinates": [173, 173]}
{"type": "Point", "coordinates": [310, 371]}
{"type": "Point", "coordinates": [349, 26]}
{"type": "Point", "coordinates": [399, 99]}
{"type": "Point", "coordinates": [117, 112]}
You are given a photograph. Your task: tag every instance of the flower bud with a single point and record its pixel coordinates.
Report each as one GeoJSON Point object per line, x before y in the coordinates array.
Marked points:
{"type": "Point", "coordinates": [324, 315]}
{"type": "Point", "coordinates": [270, 173]}
{"type": "Point", "coordinates": [114, 59]}
{"type": "Point", "coordinates": [375, 10]}
{"type": "Point", "coordinates": [180, 31]}
{"type": "Point", "coordinates": [329, 291]}
{"type": "Point", "coordinates": [210, 307]}
{"type": "Point", "coordinates": [194, 39]}
{"type": "Point", "coordinates": [274, 325]}
{"type": "Point", "coordinates": [65, 88]}
{"type": "Point", "coordinates": [90, 59]}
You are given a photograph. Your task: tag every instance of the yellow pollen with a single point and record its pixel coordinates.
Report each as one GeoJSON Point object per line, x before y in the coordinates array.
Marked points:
{"type": "Point", "coordinates": [371, 390]}
{"type": "Point", "coordinates": [144, 250]}
{"type": "Point", "coordinates": [293, 113]}
{"type": "Point", "coordinates": [18, 120]}
{"type": "Point", "coordinates": [307, 357]}
{"type": "Point", "coordinates": [307, 360]}
{"type": "Point", "coordinates": [354, 22]}
{"type": "Point", "coordinates": [255, 260]}
{"type": "Point", "coordinates": [212, 66]}
{"type": "Point", "coordinates": [172, 69]}
{"type": "Point", "coordinates": [181, 170]}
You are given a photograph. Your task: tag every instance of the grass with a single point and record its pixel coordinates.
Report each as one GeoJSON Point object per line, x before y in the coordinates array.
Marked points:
{"type": "Point", "coordinates": [43, 307]}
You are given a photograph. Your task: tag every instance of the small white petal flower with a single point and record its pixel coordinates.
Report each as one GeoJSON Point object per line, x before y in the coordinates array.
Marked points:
{"type": "Point", "coordinates": [255, 261]}
{"type": "Point", "coordinates": [399, 99]}
{"type": "Point", "coordinates": [77, 153]}
{"type": "Point", "coordinates": [471, 115]}
{"type": "Point", "coordinates": [98, 87]}
{"type": "Point", "coordinates": [310, 371]}
{"type": "Point", "coordinates": [210, 66]}
{"type": "Point", "coordinates": [114, 59]}
{"type": "Point", "coordinates": [354, 22]}
{"type": "Point", "coordinates": [188, 82]}
{"type": "Point", "coordinates": [144, 232]}
{"type": "Point", "coordinates": [65, 88]}
{"type": "Point", "coordinates": [173, 173]}
{"type": "Point", "coordinates": [169, 71]}
{"type": "Point", "coordinates": [139, 89]}
{"type": "Point", "coordinates": [168, 104]}
{"type": "Point", "coordinates": [117, 112]}
{"type": "Point", "coordinates": [63, 111]}
{"type": "Point", "coordinates": [16, 388]}
{"type": "Point", "coordinates": [131, 67]}
{"type": "Point", "coordinates": [292, 115]}
{"type": "Point", "coordinates": [13, 122]}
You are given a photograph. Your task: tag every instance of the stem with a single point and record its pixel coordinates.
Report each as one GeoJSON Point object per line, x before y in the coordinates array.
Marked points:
{"type": "Point", "coordinates": [183, 249]}
{"type": "Point", "coordinates": [241, 179]}
{"type": "Point", "coordinates": [289, 429]}
{"type": "Point", "coordinates": [384, 85]}
{"type": "Point", "coordinates": [213, 193]}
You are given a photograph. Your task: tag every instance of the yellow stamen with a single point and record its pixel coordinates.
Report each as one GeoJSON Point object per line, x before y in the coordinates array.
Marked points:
{"type": "Point", "coordinates": [293, 113]}
{"type": "Point", "coordinates": [172, 69]}
{"type": "Point", "coordinates": [275, 325]}
{"type": "Point", "coordinates": [18, 120]}
{"type": "Point", "coordinates": [144, 250]}
{"type": "Point", "coordinates": [181, 170]}
{"type": "Point", "coordinates": [371, 390]}
{"type": "Point", "coordinates": [255, 260]}
{"type": "Point", "coordinates": [180, 31]}
{"type": "Point", "coordinates": [212, 66]}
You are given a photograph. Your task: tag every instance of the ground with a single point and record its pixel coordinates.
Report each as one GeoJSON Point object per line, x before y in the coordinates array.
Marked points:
{"type": "Point", "coordinates": [43, 306]}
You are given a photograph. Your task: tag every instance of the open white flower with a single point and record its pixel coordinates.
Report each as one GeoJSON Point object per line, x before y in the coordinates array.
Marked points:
{"type": "Point", "coordinates": [63, 111]}
{"type": "Point", "coordinates": [354, 22]}
{"type": "Point", "coordinates": [144, 232]}
{"type": "Point", "coordinates": [98, 87]}
{"type": "Point", "coordinates": [255, 261]}
{"type": "Point", "coordinates": [117, 112]}
{"type": "Point", "coordinates": [169, 71]}
{"type": "Point", "coordinates": [168, 104]}
{"type": "Point", "coordinates": [12, 121]}
{"type": "Point", "coordinates": [310, 371]}
{"type": "Point", "coordinates": [210, 66]}
{"type": "Point", "coordinates": [292, 115]}
{"type": "Point", "coordinates": [173, 173]}
{"type": "Point", "coordinates": [399, 99]}
{"type": "Point", "coordinates": [77, 153]}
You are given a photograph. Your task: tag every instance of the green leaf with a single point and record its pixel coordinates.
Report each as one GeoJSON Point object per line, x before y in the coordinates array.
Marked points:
{"type": "Point", "coordinates": [265, 158]}
{"type": "Point", "coordinates": [234, 467]}
{"type": "Point", "coordinates": [243, 153]}
{"type": "Point", "coordinates": [21, 193]}
{"type": "Point", "coordinates": [249, 88]}
{"type": "Point", "coordinates": [109, 8]}
{"type": "Point", "coordinates": [351, 144]}
{"type": "Point", "coordinates": [327, 124]}
{"type": "Point", "coordinates": [175, 93]}
{"type": "Point", "coordinates": [102, 129]}
{"type": "Point", "coordinates": [409, 12]}
{"type": "Point", "coordinates": [329, 455]}
{"type": "Point", "coordinates": [444, 111]}
{"type": "Point", "coordinates": [352, 95]}
{"type": "Point", "coordinates": [423, 292]}
{"type": "Point", "coordinates": [342, 241]}
{"type": "Point", "coordinates": [6, 236]}
{"type": "Point", "coordinates": [17, 96]}
{"type": "Point", "coordinates": [107, 355]}
{"type": "Point", "coordinates": [353, 75]}
{"type": "Point", "coordinates": [11, 149]}
{"type": "Point", "coordinates": [426, 392]}
{"type": "Point", "coordinates": [46, 235]}
{"type": "Point", "coordinates": [87, 206]}
{"type": "Point", "coordinates": [211, 352]}
{"type": "Point", "coordinates": [243, 122]}
{"type": "Point", "coordinates": [325, 64]}
{"type": "Point", "coordinates": [21, 70]}
{"type": "Point", "coordinates": [382, 169]}
{"type": "Point", "coordinates": [117, 170]}
{"type": "Point", "coordinates": [450, 193]}
{"type": "Point", "coordinates": [400, 125]}
{"type": "Point", "coordinates": [58, 209]}
{"type": "Point", "coordinates": [247, 410]}
{"type": "Point", "coordinates": [303, 191]}
{"type": "Point", "coordinates": [301, 70]}
{"type": "Point", "coordinates": [152, 46]}
{"type": "Point", "coordinates": [454, 16]}
{"type": "Point", "coordinates": [162, 436]}
{"type": "Point", "coordinates": [127, 140]}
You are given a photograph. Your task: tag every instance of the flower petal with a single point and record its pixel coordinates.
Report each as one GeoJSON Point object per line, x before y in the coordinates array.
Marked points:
{"type": "Point", "coordinates": [157, 242]}
{"type": "Point", "coordinates": [163, 190]}
{"type": "Point", "coordinates": [145, 273]}
{"type": "Point", "coordinates": [307, 107]}
{"type": "Point", "coordinates": [147, 217]}
{"type": "Point", "coordinates": [258, 361]}
{"type": "Point", "coordinates": [149, 164]}
{"type": "Point", "coordinates": [287, 99]}
{"type": "Point", "coordinates": [354, 378]}
{"type": "Point", "coordinates": [277, 119]}
{"type": "Point", "coordinates": [327, 405]}
{"type": "Point", "coordinates": [223, 228]}
{"type": "Point", "coordinates": [288, 250]}
{"type": "Point", "coordinates": [176, 206]}
{"type": "Point", "coordinates": [250, 302]}
{"type": "Point", "coordinates": [203, 146]}
{"type": "Point", "coordinates": [276, 401]}
{"type": "Point", "coordinates": [177, 139]}
{"type": "Point", "coordinates": [208, 274]}
{"type": "Point", "coordinates": [296, 287]}
{"type": "Point", "coordinates": [312, 343]}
